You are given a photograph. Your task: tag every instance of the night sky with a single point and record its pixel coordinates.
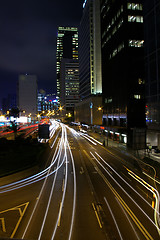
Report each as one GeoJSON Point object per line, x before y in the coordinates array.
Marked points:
{"type": "Point", "coordinates": [28, 30]}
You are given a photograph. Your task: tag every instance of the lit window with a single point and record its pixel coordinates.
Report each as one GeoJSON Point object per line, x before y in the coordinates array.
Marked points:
{"type": "Point", "coordinates": [140, 81]}
{"type": "Point", "coordinates": [137, 96]}
{"type": "Point", "coordinates": [134, 6]}
{"type": "Point", "coordinates": [136, 43]}
{"type": "Point", "coordinates": [129, 6]}
{"type": "Point", "coordinates": [132, 18]}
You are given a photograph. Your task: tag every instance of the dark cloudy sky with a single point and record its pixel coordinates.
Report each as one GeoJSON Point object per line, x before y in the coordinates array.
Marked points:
{"type": "Point", "coordinates": [28, 30]}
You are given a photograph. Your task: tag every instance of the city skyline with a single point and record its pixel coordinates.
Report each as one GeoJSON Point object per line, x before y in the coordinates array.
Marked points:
{"type": "Point", "coordinates": [83, 163]}
{"type": "Point", "coordinates": [28, 40]}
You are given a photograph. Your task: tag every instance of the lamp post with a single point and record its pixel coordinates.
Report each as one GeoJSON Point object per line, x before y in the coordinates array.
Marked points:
{"type": "Point", "coordinates": [91, 107]}
{"type": "Point", "coordinates": [60, 112]}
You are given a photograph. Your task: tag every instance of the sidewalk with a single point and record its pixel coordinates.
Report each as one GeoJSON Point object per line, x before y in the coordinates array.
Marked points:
{"type": "Point", "coordinates": [124, 149]}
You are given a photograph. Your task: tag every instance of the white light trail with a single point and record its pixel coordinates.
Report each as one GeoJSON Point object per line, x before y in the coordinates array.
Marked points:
{"type": "Point", "coordinates": [137, 237]}
{"type": "Point", "coordinates": [94, 139]}
{"type": "Point", "coordinates": [154, 192]}
{"type": "Point", "coordinates": [51, 192]}
{"type": "Point", "coordinates": [151, 178]}
{"type": "Point", "coordinates": [113, 219]}
{"type": "Point", "coordinates": [64, 191]}
{"type": "Point", "coordinates": [88, 139]}
{"type": "Point", "coordinates": [34, 178]}
{"type": "Point", "coordinates": [74, 197]}
{"type": "Point", "coordinates": [123, 188]}
{"type": "Point", "coordinates": [40, 194]}
{"type": "Point", "coordinates": [123, 180]}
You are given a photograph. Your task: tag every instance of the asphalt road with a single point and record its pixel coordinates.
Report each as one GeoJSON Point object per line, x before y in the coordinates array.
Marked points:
{"type": "Point", "coordinates": [86, 191]}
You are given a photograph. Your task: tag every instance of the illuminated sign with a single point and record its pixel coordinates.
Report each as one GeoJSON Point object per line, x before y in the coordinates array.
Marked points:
{"type": "Point", "coordinates": [19, 120]}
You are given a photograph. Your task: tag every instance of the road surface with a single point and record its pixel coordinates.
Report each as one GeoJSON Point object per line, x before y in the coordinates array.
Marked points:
{"type": "Point", "coordinates": [86, 191]}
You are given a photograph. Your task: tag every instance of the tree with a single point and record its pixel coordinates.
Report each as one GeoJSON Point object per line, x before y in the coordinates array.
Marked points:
{"type": "Point", "coordinates": [14, 112]}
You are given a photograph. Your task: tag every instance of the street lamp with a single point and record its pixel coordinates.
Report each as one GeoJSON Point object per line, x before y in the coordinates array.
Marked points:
{"type": "Point", "coordinates": [99, 108]}
{"type": "Point", "coordinates": [91, 107]}
{"type": "Point", "coordinates": [60, 108]}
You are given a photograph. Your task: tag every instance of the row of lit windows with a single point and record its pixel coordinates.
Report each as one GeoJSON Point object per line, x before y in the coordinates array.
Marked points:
{"type": "Point", "coordinates": [72, 85]}
{"type": "Point", "coordinates": [135, 6]}
{"type": "Point", "coordinates": [113, 32]}
{"type": "Point", "coordinates": [73, 82]}
{"type": "Point", "coordinates": [107, 9]}
{"type": "Point", "coordinates": [75, 56]}
{"type": "Point", "coordinates": [67, 29]}
{"type": "Point", "coordinates": [135, 19]}
{"type": "Point", "coordinates": [72, 89]}
{"type": "Point", "coordinates": [59, 43]}
{"type": "Point", "coordinates": [72, 94]}
{"type": "Point", "coordinates": [136, 43]}
{"type": "Point", "coordinates": [60, 34]}
{"type": "Point", "coordinates": [72, 76]}
{"type": "Point", "coordinates": [132, 43]}
{"type": "Point", "coordinates": [116, 50]}
{"type": "Point", "coordinates": [137, 96]}
{"type": "Point", "coordinates": [71, 71]}
{"type": "Point", "coordinates": [113, 21]}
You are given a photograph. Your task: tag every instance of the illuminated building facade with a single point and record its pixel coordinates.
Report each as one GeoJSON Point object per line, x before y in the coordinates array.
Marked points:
{"type": "Point", "coordinates": [152, 69]}
{"type": "Point", "coordinates": [47, 102]}
{"type": "Point", "coordinates": [41, 96]}
{"type": "Point", "coordinates": [69, 83]}
{"type": "Point", "coordinates": [123, 68]}
{"type": "Point", "coordinates": [27, 94]}
{"type": "Point", "coordinates": [67, 47]}
{"type": "Point", "coordinates": [90, 50]}
{"type": "Point", "coordinates": [90, 73]}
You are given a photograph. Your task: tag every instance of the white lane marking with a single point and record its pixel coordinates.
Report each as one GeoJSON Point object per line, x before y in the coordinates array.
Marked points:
{"type": "Point", "coordinates": [113, 219]}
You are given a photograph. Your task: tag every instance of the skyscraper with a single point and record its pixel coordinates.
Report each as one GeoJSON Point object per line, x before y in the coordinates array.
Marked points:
{"type": "Point", "coordinates": [67, 47]}
{"type": "Point", "coordinates": [152, 69]}
{"type": "Point", "coordinates": [90, 74]}
{"type": "Point", "coordinates": [123, 68]}
{"type": "Point", "coordinates": [90, 50]}
{"type": "Point", "coordinates": [69, 83]}
{"type": "Point", "coordinates": [27, 94]}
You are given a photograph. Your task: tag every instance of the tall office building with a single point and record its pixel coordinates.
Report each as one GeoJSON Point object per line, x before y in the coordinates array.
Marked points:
{"type": "Point", "coordinates": [67, 47]}
{"type": "Point", "coordinates": [152, 69]}
{"type": "Point", "coordinates": [69, 83]}
{"type": "Point", "coordinates": [46, 102]}
{"type": "Point", "coordinates": [41, 98]}
{"type": "Point", "coordinates": [27, 95]}
{"type": "Point", "coordinates": [90, 50]}
{"type": "Point", "coordinates": [123, 69]}
{"type": "Point", "coordinates": [90, 74]}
